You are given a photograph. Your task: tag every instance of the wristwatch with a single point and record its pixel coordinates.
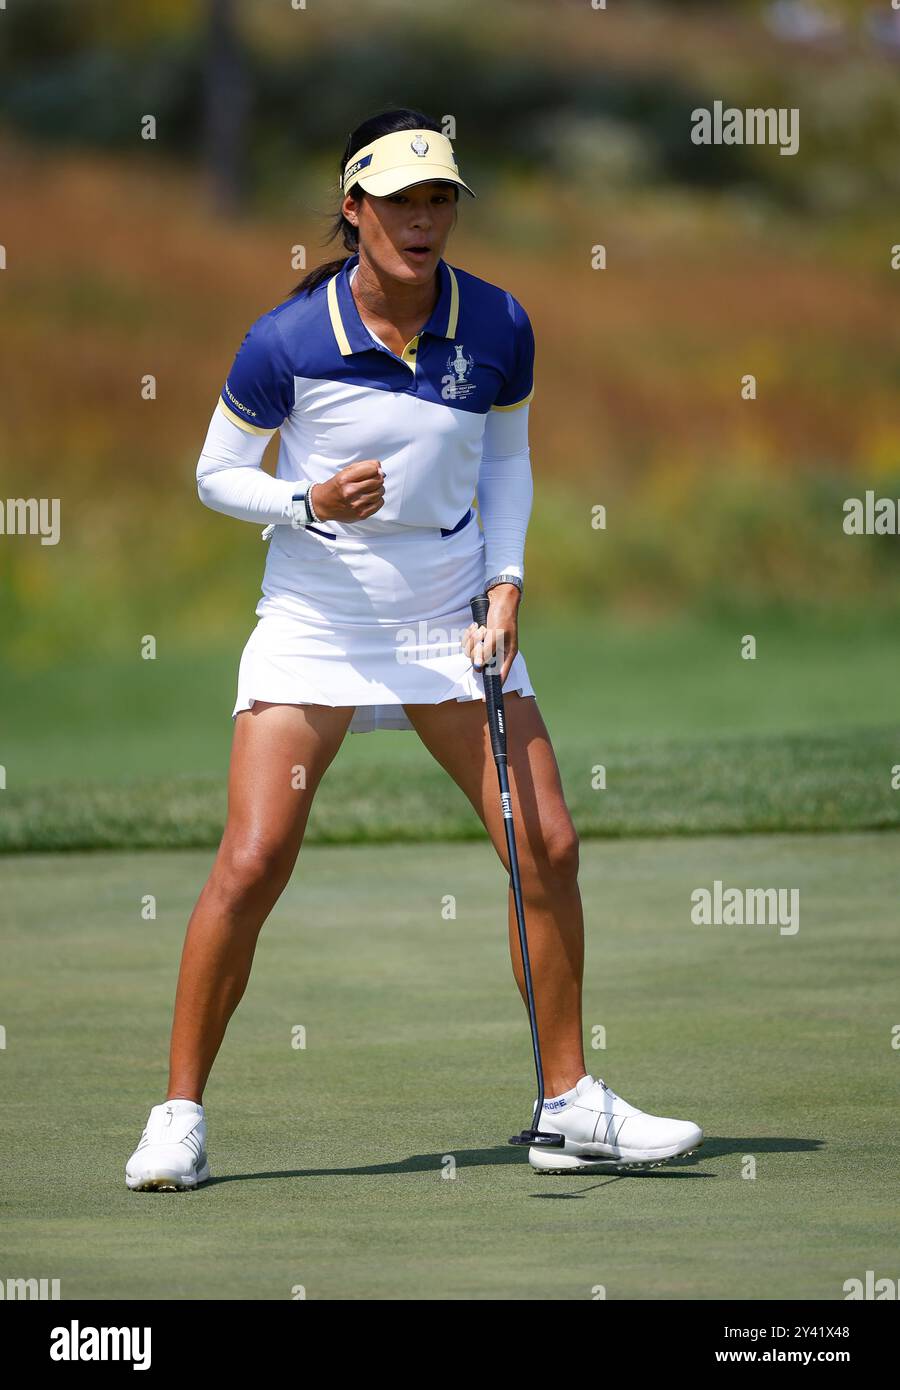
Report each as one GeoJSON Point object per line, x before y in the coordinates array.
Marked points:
{"type": "Point", "coordinates": [504, 579]}
{"type": "Point", "coordinates": [303, 515]}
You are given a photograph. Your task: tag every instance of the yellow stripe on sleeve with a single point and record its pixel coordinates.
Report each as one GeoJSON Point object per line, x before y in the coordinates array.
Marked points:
{"type": "Point", "coordinates": [242, 424]}
{"type": "Point", "coordinates": [517, 405]}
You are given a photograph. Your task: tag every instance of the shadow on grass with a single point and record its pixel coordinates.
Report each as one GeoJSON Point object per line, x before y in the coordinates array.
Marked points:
{"type": "Point", "coordinates": [500, 1156]}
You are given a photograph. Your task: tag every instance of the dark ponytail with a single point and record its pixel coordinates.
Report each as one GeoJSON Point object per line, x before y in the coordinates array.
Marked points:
{"type": "Point", "coordinates": [383, 123]}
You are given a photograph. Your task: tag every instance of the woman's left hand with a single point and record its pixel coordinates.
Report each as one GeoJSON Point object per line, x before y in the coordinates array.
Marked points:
{"type": "Point", "coordinates": [500, 633]}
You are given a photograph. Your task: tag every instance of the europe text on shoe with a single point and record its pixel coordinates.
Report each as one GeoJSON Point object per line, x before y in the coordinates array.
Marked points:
{"type": "Point", "coordinates": [603, 1131]}
{"type": "Point", "coordinates": [171, 1155]}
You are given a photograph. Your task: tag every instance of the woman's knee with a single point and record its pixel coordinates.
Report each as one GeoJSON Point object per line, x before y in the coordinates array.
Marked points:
{"type": "Point", "coordinates": [252, 867]}
{"type": "Point", "coordinates": [554, 859]}
{"type": "Point", "coordinates": [563, 847]}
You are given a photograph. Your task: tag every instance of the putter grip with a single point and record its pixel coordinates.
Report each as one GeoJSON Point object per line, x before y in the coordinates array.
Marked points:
{"type": "Point", "coordinates": [493, 693]}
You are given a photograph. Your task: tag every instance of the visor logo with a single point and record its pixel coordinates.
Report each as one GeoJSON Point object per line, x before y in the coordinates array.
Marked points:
{"type": "Point", "coordinates": [355, 168]}
{"type": "Point", "coordinates": [419, 146]}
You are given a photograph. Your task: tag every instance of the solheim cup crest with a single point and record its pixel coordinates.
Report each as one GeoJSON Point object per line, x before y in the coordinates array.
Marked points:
{"type": "Point", "coordinates": [419, 146]}
{"type": "Point", "coordinates": [456, 384]}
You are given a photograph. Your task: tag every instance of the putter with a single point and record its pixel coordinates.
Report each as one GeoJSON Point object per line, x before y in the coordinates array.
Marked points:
{"type": "Point", "coordinates": [496, 724]}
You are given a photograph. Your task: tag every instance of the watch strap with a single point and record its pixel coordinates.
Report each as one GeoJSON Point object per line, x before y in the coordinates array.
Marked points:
{"type": "Point", "coordinates": [298, 507]}
{"type": "Point", "coordinates": [504, 579]}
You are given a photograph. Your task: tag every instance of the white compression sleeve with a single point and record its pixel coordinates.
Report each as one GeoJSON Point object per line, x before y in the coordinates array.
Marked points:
{"type": "Point", "coordinates": [505, 491]}
{"type": "Point", "coordinates": [230, 478]}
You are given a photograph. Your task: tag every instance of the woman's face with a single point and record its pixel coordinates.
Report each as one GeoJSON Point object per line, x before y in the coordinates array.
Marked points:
{"type": "Point", "coordinates": [419, 216]}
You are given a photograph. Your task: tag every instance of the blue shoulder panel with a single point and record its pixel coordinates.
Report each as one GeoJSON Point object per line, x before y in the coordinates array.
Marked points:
{"type": "Point", "coordinates": [259, 390]}
{"type": "Point", "coordinates": [475, 351]}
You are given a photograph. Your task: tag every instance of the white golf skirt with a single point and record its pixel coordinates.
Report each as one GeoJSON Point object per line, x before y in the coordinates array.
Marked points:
{"type": "Point", "coordinates": [374, 622]}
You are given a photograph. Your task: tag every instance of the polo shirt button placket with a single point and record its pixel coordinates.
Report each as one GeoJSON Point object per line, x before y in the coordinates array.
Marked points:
{"type": "Point", "coordinates": [413, 352]}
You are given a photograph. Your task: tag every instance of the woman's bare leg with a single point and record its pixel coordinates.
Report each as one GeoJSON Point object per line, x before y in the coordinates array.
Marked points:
{"type": "Point", "coordinates": [456, 734]}
{"type": "Point", "coordinates": [278, 757]}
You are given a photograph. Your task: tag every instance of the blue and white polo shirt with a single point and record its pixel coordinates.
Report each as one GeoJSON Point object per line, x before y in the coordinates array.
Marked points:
{"type": "Point", "coordinates": [311, 369]}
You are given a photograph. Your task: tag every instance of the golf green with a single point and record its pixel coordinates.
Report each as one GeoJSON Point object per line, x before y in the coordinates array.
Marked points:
{"type": "Point", "coordinates": [371, 1162]}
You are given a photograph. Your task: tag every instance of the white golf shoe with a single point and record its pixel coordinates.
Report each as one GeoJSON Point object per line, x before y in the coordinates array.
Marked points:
{"type": "Point", "coordinates": [603, 1131]}
{"type": "Point", "coordinates": [171, 1155]}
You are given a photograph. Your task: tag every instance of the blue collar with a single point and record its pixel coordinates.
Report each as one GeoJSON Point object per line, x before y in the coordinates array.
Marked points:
{"type": "Point", "coordinates": [350, 331]}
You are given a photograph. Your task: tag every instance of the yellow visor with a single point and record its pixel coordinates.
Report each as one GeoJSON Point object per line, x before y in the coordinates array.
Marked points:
{"type": "Point", "coordinates": [397, 161]}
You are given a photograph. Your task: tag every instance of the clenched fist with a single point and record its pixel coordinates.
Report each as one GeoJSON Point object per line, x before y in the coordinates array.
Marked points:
{"type": "Point", "coordinates": [354, 492]}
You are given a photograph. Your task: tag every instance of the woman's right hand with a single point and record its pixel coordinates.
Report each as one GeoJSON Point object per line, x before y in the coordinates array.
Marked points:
{"type": "Point", "coordinates": [354, 492]}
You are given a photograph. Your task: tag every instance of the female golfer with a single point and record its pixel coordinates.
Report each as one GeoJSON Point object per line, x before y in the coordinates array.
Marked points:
{"type": "Point", "coordinates": [399, 386]}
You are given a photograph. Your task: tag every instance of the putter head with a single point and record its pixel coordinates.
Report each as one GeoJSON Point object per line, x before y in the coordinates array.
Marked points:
{"type": "Point", "coordinates": [539, 1138]}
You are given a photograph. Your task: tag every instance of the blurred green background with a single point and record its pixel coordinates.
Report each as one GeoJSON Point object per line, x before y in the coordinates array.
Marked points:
{"type": "Point", "coordinates": [128, 258]}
